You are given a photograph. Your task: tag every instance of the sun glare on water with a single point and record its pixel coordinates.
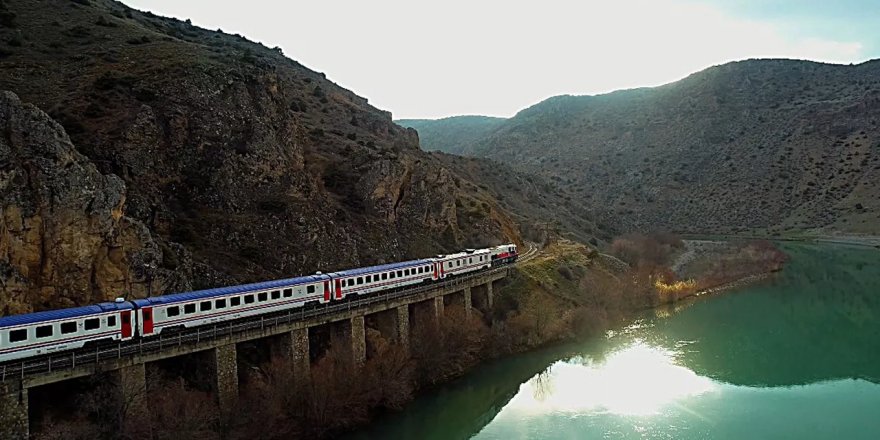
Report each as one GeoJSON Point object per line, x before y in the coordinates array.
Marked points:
{"type": "Point", "coordinates": [636, 380]}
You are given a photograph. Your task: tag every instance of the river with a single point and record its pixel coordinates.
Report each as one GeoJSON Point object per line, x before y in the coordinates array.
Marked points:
{"type": "Point", "coordinates": [795, 356]}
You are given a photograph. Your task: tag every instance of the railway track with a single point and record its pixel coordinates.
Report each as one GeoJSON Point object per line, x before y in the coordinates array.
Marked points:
{"type": "Point", "coordinates": [532, 252]}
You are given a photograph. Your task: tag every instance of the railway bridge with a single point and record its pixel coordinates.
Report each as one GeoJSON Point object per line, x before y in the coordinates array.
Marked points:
{"type": "Point", "coordinates": [287, 333]}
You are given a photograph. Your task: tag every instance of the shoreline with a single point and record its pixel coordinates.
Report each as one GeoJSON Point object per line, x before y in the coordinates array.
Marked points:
{"type": "Point", "coordinates": [872, 241]}
{"type": "Point", "coordinates": [742, 282]}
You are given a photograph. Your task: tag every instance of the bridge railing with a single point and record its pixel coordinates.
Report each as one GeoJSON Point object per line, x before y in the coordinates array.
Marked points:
{"type": "Point", "coordinates": [21, 369]}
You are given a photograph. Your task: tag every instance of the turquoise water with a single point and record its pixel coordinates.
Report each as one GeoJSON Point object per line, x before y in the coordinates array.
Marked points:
{"type": "Point", "coordinates": [797, 356]}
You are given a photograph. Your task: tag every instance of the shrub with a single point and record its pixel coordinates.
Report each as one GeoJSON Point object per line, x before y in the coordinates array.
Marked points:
{"type": "Point", "coordinates": [139, 40]}
{"type": "Point", "coordinates": [102, 21]}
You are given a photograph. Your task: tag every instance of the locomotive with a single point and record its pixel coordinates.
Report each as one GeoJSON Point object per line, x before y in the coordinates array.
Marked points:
{"type": "Point", "coordinates": [34, 334]}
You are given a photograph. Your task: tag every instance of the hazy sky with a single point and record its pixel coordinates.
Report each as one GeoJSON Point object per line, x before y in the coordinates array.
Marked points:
{"type": "Point", "coordinates": [422, 59]}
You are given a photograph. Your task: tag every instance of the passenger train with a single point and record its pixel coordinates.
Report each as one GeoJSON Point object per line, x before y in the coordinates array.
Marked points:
{"type": "Point", "coordinates": [34, 334]}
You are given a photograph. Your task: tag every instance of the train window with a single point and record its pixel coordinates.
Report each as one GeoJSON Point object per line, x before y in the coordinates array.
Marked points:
{"type": "Point", "coordinates": [470, 260]}
{"type": "Point", "coordinates": [111, 320]}
{"type": "Point", "coordinates": [44, 331]}
{"type": "Point", "coordinates": [351, 281]}
{"type": "Point", "coordinates": [18, 335]}
{"type": "Point", "coordinates": [276, 294]}
{"type": "Point", "coordinates": [289, 292]}
{"type": "Point", "coordinates": [360, 280]}
{"type": "Point", "coordinates": [68, 327]}
{"type": "Point", "coordinates": [205, 306]}
{"type": "Point", "coordinates": [248, 299]}
{"type": "Point", "coordinates": [220, 303]}
{"type": "Point", "coordinates": [406, 272]}
{"type": "Point", "coordinates": [235, 301]}
{"type": "Point", "coordinates": [399, 273]}
{"type": "Point", "coordinates": [427, 268]}
{"type": "Point", "coordinates": [91, 324]}
{"type": "Point", "coordinates": [393, 275]}
{"type": "Point", "coordinates": [369, 279]}
{"type": "Point", "coordinates": [148, 315]}
{"type": "Point", "coordinates": [189, 308]}
{"type": "Point", "coordinates": [262, 296]}
{"type": "Point", "coordinates": [384, 276]}
{"type": "Point", "coordinates": [172, 311]}
{"type": "Point", "coordinates": [309, 289]}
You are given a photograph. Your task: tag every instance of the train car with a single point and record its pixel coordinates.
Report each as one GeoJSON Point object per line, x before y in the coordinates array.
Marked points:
{"type": "Point", "coordinates": [192, 309]}
{"type": "Point", "coordinates": [52, 331]}
{"type": "Point", "coordinates": [471, 260]}
{"type": "Point", "coordinates": [504, 254]}
{"type": "Point", "coordinates": [366, 280]}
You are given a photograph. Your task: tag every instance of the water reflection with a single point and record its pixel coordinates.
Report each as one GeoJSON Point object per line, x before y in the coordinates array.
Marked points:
{"type": "Point", "coordinates": [636, 380]}
{"type": "Point", "coordinates": [792, 358]}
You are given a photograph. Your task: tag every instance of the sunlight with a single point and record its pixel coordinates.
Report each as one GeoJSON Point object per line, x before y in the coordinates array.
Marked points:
{"type": "Point", "coordinates": [637, 380]}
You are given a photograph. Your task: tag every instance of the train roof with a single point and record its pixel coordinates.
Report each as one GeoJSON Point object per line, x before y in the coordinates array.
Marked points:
{"type": "Point", "coordinates": [465, 253]}
{"type": "Point", "coordinates": [53, 315]}
{"type": "Point", "coordinates": [380, 268]}
{"type": "Point", "coordinates": [228, 290]}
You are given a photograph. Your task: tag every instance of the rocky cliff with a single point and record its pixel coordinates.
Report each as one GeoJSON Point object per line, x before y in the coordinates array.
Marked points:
{"type": "Point", "coordinates": [197, 158]}
{"type": "Point", "coordinates": [64, 237]}
{"type": "Point", "coordinates": [765, 146]}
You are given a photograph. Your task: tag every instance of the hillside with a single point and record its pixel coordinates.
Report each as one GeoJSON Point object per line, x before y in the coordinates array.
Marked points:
{"type": "Point", "coordinates": [765, 146]}
{"type": "Point", "coordinates": [140, 152]}
{"type": "Point", "coordinates": [541, 207]}
{"type": "Point", "coordinates": [451, 135]}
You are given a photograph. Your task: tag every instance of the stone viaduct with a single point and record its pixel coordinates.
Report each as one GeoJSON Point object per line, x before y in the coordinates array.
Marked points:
{"type": "Point", "coordinates": [288, 335]}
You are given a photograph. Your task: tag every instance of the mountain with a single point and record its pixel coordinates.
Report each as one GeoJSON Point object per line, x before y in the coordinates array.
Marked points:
{"type": "Point", "coordinates": [766, 146]}
{"type": "Point", "coordinates": [452, 134]}
{"type": "Point", "coordinates": [142, 153]}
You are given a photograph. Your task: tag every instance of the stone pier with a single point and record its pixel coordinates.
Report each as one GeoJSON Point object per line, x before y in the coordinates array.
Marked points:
{"type": "Point", "coordinates": [13, 411]}
{"type": "Point", "coordinates": [467, 301]}
{"type": "Point", "coordinates": [294, 347]}
{"type": "Point", "coordinates": [403, 326]}
{"type": "Point", "coordinates": [489, 294]}
{"type": "Point", "coordinates": [438, 309]}
{"type": "Point", "coordinates": [358, 340]}
{"type": "Point", "coordinates": [393, 324]}
{"type": "Point", "coordinates": [132, 387]}
{"type": "Point", "coordinates": [226, 376]}
{"type": "Point", "coordinates": [349, 339]}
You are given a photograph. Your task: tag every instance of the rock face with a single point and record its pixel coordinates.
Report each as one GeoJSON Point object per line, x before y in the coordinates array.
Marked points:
{"type": "Point", "coordinates": [64, 236]}
{"type": "Point", "coordinates": [201, 159]}
{"type": "Point", "coordinates": [759, 145]}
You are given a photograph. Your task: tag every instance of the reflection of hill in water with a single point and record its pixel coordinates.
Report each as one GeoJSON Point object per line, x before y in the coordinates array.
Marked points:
{"type": "Point", "coordinates": [818, 320]}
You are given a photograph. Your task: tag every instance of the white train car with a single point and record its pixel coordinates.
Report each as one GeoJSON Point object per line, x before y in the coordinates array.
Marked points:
{"type": "Point", "coordinates": [52, 331]}
{"type": "Point", "coordinates": [504, 254]}
{"type": "Point", "coordinates": [366, 280]}
{"type": "Point", "coordinates": [471, 260]}
{"type": "Point", "coordinates": [211, 306]}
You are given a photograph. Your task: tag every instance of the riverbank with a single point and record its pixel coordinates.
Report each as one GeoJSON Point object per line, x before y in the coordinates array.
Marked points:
{"type": "Point", "coordinates": [714, 265]}
{"type": "Point", "coordinates": [854, 240]}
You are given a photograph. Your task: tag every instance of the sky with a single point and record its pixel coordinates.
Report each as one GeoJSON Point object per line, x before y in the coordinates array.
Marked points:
{"type": "Point", "coordinates": [422, 59]}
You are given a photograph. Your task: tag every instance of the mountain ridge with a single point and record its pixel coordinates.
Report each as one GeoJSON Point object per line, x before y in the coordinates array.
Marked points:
{"type": "Point", "coordinates": [768, 146]}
